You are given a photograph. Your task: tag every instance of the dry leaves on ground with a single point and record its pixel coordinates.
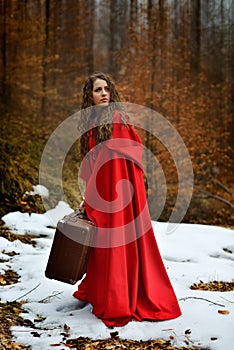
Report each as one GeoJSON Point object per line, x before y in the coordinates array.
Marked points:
{"type": "Point", "coordinates": [9, 277]}
{"type": "Point", "coordinates": [214, 286]}
{"type": "Point", "coordinates": [6, 233]}
{"type": "Point", "coordinates": [82, 343]}
{"type": "Point", "coordinates": [9, 316]}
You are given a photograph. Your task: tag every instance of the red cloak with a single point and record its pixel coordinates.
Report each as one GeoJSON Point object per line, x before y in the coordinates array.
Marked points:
{"type": "Point", "coordinates": [126, 279]}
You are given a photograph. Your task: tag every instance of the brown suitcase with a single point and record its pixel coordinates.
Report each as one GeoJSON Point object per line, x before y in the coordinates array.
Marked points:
{"type": "Point", "coordinates": [70, 249]}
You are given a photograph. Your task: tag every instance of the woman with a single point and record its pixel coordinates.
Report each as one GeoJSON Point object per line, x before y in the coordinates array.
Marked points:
{"type": "Point", "coordinates": [126, 279]}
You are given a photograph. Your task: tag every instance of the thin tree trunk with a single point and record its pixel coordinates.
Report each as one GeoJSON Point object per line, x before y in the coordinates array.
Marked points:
{"type": "Point", "coordinates": [112, 37]}
{"type": "Point", "coordinates": [45, 54]}
{"type": "Point", "coordinates": [90, 36]}
{"type": "Point", "coordinates": [4, 90]}
{"type": "Point", "coordinates": [196, 33]}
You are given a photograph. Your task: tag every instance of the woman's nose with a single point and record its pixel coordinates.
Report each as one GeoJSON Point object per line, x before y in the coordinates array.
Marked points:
{"type": "Point", "coordinates": [103, 92]}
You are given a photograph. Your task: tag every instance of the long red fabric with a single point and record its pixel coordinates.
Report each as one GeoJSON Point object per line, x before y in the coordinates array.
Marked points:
{"type": "Point", "coordinates": [126, 279]}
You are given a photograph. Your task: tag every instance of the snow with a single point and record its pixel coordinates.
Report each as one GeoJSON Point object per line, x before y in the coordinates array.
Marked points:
{"type": "Point", "coordinates": [40, 190]}
{"type": "Point", "coordinates": [190, 252]}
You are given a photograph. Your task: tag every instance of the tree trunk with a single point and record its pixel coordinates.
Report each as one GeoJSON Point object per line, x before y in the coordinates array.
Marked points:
{"type": "Point", "coordinates": [3, 63]}
{"type": "Point", "coordinates": [45, 55]}
{"type": "Point", "coordinates": [196, 33]}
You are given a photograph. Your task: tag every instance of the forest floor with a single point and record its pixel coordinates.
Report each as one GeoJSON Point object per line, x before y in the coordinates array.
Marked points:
{"type": "Point", "coordinates": [10, 315]}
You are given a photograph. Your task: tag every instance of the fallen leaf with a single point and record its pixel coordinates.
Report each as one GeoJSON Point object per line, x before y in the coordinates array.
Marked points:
{"type": "Point", "coordinates": [35, 334]}
{"type": "Point", "coordinates": [39, 319]}
{"type": "Point", "coordinates": [114, 334]}
{"type": "Point", "coordinates": [2, 280]}
{"type": "Point", "coordinates": [55, 344]}
{"type": "Point", "coordinates": [223, 312]}
{"type": "Point", "coordinates": [65, 334]}
{"type": "Point", "coordinates": [227, 250]}
{"type": "Point", "coordinates": [66, 327]}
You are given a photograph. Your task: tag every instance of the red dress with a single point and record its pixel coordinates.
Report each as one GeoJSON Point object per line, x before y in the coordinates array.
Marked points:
{"type": "Point", "coordinates": [126, 279]}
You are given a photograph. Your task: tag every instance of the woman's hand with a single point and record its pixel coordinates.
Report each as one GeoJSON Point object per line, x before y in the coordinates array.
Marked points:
{"type": "Point", "coordinates": [81, 206]}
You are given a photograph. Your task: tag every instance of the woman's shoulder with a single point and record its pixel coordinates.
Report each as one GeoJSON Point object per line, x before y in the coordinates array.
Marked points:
{"type": "Point", "coordinates": [116, 113]}
{"type": "Point", "coordinates": [122, 128]}
{"type": "Point", "coordinates": [119, 116]}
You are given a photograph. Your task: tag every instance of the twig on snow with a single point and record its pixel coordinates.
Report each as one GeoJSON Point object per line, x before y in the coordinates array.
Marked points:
{"type": "Point", "coordinates": [212, 302]}
{"type": "Point", "coordinates": [232, 302]}
{"type": "Point", "coordinates": [46, 299]}
{"type": "Point", "coordinates": [31, 290]}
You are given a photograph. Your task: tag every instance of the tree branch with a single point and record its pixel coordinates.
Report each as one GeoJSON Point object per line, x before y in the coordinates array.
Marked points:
{"type": "Point", "coordinates": [221, 199]}
{"type": "Point", "coordinates": [223, 187]}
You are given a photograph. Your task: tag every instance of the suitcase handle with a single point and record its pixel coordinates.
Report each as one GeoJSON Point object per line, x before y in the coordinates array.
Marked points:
{"type": "Point", "coordinates": [76, 215]}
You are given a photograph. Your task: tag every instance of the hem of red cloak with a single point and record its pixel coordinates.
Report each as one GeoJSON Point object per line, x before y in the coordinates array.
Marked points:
{"type": "Point", "coordinates": [134, 319]}
{"type": "Point", "coordinates": [120, 323]}
{"type": "Point", "coordinates": [78, 295]}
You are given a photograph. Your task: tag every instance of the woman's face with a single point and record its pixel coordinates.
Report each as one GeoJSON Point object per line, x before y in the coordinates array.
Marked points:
{"type": "Point", "coordinates": [101, 92]}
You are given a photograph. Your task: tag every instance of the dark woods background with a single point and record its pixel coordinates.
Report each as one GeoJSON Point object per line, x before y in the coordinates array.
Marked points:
{"type": "Point", "coordinates": [173, 56]}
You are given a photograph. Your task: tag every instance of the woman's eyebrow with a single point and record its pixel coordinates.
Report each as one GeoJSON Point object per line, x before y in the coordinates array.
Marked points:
{"type": "Point", "coordinates": [100, 87]}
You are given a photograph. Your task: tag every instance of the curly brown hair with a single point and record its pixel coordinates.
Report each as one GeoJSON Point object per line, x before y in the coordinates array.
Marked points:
{"type": "Point", "coordinates": [103, 130]}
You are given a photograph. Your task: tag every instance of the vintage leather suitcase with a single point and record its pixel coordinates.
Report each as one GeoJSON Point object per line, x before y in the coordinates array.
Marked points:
{"type": "Point", "coordinates": [70, 249]}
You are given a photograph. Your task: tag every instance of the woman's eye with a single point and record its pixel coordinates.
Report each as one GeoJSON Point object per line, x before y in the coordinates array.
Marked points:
{"type": "Point", "coordinates": [99, 89]}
